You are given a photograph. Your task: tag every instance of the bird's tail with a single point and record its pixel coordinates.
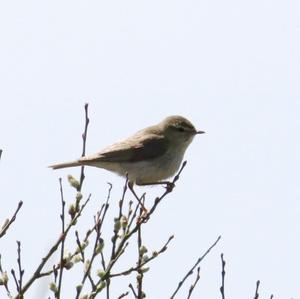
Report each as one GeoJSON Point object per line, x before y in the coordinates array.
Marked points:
{"type": "Point", "coordinates": [66, 165]}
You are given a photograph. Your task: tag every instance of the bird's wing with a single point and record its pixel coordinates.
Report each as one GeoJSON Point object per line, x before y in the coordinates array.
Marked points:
{"type": "Point", "coordinates": [146, 148]}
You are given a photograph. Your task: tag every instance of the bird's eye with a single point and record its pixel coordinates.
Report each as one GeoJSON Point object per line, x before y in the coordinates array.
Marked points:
{"type": "Point", "coordinates": [180, 129]}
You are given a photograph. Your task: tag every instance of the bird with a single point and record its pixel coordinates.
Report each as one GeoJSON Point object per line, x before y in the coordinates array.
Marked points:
{"type": "Point", "coordinates": [148, 157]}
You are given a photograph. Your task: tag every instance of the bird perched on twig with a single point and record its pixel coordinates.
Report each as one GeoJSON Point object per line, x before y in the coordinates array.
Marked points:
{"type": "Point", "coordinates": [149, 156]}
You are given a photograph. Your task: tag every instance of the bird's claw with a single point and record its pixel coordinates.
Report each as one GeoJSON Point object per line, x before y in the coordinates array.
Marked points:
{"type": "Point", "coordinates": [169, 186]}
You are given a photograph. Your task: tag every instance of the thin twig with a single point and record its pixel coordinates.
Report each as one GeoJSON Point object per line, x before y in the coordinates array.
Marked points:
{"type": "Point", "coordinates": [256, 290]}
{"type": "Point", "coordinates": [0, 153]}
{"type": "Point", "coordinates": [18, 281]}
{"type": "Point", "coordinates": [63, 236]}
{"type": "Point", "coordinates": [115, 236]}
{"type": "Point", "coordinates": [102, 259]}
{"type": "Point", "coordinates": [222, 288]}
{"type": "Point", "coordinates": [84, 137]}
{"type": "Point", "coordinates": [123, 295]}
{"type": "Point", "coordinates": [108, 288]}
{"type": "Point", "coordinates": [123, 197]}
{"type": "Point", "coordinates": [192, 287]}
{"type": "Point", "coordinates": [140, 276]}
{"type": "Point", "coordinates": [8, 222]}
{"type": "Point", "coordinates": [154, 255]}
{"type": "Point", "coordinates": [133, 217]}
{"type": "Point", "coordinates": [133, 291]}
{"type": "Point", "coordinates": [21, 271]}
{"type": "Point", "coordinates": [106, 206]}
{"type": "Point", "coordinates": [97, 227]}
{"type": "Point", "coordinates": [15, 279]}
{"type": "Point", "coordinates": [81, 251]}
{"type": "Point", "coordinates": [190, 272]}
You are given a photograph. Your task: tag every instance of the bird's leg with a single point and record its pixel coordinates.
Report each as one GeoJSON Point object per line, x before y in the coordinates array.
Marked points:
{"type": "Point", "coordinates": [130, 185]}
{"type": "Point", "coordinates": [168, 185]}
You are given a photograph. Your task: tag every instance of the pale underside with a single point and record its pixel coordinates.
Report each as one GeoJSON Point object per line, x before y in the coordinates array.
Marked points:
{"type": "Point", "coordinates": [143, 172]}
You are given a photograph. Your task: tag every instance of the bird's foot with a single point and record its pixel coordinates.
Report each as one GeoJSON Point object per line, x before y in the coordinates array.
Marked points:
{"type": "Point", "coordinates": [169, 186]}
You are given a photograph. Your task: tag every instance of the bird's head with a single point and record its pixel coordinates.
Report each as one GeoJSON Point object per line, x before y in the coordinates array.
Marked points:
{"type": "Point", "coordinates": [179, 129]}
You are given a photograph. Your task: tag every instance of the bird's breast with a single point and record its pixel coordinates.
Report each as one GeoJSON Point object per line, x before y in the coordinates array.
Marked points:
{"type": "Point", "coordinates": [154, 170]}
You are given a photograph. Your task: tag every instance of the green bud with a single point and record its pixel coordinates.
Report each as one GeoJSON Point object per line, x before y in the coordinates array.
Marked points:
{"type": "Point", "coordinates": [67, 256]}
{"type": "Point", "coordinates": [100, 246]}
{"type": "Point", "coordinates": [53, 287]}
{"type": "Point", "coordinates": [73, 182]}
{"type": "Point", "coordinates": [79, 288]}
{"type": "Point", "coordinates": [155, 253]}
{"type": "Point", "coordinates": [4, 278]}
{"type": "Point", "coordinates": [87, 266]}
{"type": "Point", "coordinates": [101, 286]}
{"type": "Point", "coordinates": [84, 244]}
{"type": "Point", "coordinates": [145, 258]}
{"type": "Point", "coordinates": [72, 211]}
{"type": "Point", "coordinates": [68, 265]}
{"type": "Point", "coordinates": [143, 250]}
{"type": "Point", "coordinates": [124, 221]}
{"type": "Point", "coordinates": [78, 196]}
{"type": "Point", "coordinates": [114, 238]}
{"type": "Point", "coordinates": [5, 223]}
{"type": "Point", "coordinates": [100, 273]}
{"type": "Point", "coordinates": [145, 269]}
{"type": "Point", "coordinates": [77, 258]}
{"type": "Point", "coordinates": [117, 225]}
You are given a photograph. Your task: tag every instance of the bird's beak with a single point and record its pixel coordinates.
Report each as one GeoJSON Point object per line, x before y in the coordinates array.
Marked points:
{"type": "Point", "coordinates": [200, 132]}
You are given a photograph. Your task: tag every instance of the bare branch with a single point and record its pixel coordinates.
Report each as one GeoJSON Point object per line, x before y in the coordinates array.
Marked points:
{"type": "Point", "coordinates": [140, 275]}
{"type": "Point", "coordinates": [8, 222]}
{"type": "Point", "coordinates": [63, 236]}
{"type": "Point", "coordinates": [133, 291]}
{"type": "Point", "coordinates": [21, 271]}
{"type": "Point", "coordinates": [256, 290]}
{"type": "Point", "coordinates": [18, 281]}
{"type": "Point", "coordinates": [154, 255]}
{"type": "Point", "coordinates": [84, 137]}
{"type": "Point", "coordinates": [222, 288]}
{"type": "Point", "coordinates": [190, 272]}
{"type": "Point", "coordinates": [192, 287]}
{"type": "Point", "coordinates": [117, 221]}
{"type": "Point", "coordinates": [123, 295]}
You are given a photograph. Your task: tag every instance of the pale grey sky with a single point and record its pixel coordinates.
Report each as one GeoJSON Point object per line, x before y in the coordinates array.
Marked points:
{"type": "Point", "coordinates": [231, 67]}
